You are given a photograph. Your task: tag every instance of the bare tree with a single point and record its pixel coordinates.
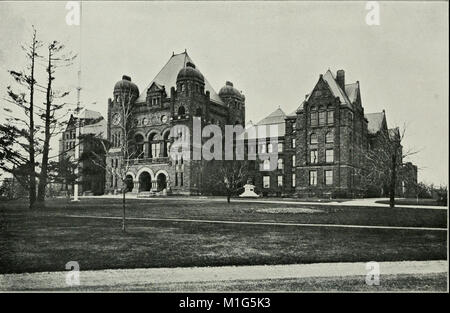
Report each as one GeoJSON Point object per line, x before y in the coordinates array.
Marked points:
{"type": "Point", "coordinates": [128, 151]}
{"type": "Point", "coordinates": [234, 175]}
{"type": "Point", "coordinates": [384, 160]}
{"type": "Point", "coordinates": [53, 113]}
{"type": "Point", "coordinates": [22, 122]}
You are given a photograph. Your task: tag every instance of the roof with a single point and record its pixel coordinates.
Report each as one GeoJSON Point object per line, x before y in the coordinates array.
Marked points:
{"type": "Point", "coordinates": [273, 125]}
{"type": "Point", "coordinates": [374, 122]}
{"type": "Point", "coordinates": [98, 129]}
{"type": "Point", "coordinates": [335, 89]}
{"type": "Point", "coordinates": [275, 117]}
{"type": "Point", "coordinates": [167, 77]}
{"type": "Point", "coordinates": [88, 114]}
{"type": "Point", "coordinates": [352, 91]}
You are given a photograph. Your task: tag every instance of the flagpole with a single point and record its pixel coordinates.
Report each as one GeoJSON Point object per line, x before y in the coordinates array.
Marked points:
{"type": "Point", "coordinates": [77, 130]}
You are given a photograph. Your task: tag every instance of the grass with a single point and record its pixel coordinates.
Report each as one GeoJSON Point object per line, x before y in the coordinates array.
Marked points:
{"type": "Point", "coordinates": [45, 240]}
{"type": "Point", "coordinates": [400, 283]}
{"type": "Point", "coordinates": [411, 201]}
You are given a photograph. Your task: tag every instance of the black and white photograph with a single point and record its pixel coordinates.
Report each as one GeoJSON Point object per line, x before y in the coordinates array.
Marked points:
{"type": "Point", "coordinates": [224, 147]}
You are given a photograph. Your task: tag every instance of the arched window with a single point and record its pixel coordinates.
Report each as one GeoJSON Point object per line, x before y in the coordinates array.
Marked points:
{"type": "Point", "coordinates": [155, 148]}
{"type": "Point", "coordinates": [280, 164]}
{"type": "Point", "coordinates": [139, 140]}
{"type": "Point", "coordinates": [166, 143]}
{"type": "Point", "coordinates": [181, 110]}
{"type": "Point", "coordinates": [313, 139]}
{"type": "Point", "coordinates": [266, 165]}
{"type": "Point", "coordinates": [329, 137]}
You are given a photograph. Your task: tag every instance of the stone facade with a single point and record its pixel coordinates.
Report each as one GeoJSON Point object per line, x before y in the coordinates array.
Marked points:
{"type": "Point", "coordinates": [155, 113]}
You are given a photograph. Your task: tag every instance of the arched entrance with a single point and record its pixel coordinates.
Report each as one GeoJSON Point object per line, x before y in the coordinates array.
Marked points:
{"type": "Point", "coordinates": [161, 181]}
{"type": "Point", "coordinates": [145, 182]}
{"type": "Point", "coordinates": [129, 183]}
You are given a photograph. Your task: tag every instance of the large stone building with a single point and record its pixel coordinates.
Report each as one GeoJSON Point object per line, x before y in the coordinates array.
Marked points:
{"type": "Point", "coordinates": [92, 177]}
{"type": "Point", "coordinates": [177, 94]}
{"type": "Point", "coordinates": [321, 146]}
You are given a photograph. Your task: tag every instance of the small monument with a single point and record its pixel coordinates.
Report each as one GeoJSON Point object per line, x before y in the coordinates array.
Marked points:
{"type": "Point", "coordinates": [249, 190]}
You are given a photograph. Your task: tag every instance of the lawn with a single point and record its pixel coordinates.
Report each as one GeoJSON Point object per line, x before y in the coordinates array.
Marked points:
{"type": "Point", "coordinates": [45, 240]}
{"type": "Point", "coordinates": [411, 201]}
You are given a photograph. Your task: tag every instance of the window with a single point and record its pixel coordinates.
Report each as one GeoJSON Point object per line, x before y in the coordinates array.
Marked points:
{"type": "Point", "coordinates": [266, 181]}
{"type": "Point", "coordinates": [280, 147]}
{"type": "Point", "coordinates": [269, 148]}
{"type": "Point", "coordinates": [313, 156]}
{"type": "Point", "coordinates": [330, 117]}
{"type": "Point", "coordinates": [181, 179]}
{"type": "Point", "coordinates": [322, 117]}
{"type": "Point", "coordinates": [139, 146]}
{"type": "Point", "coordinates": [313, 178]}
{"type": "Point", "coordinates": [280, 180]}
{"type": "Point", "coordinates": [280, 164]}
{"type": "Point", "coordinates": [293, 161]}
{"type": "Point", "coordinates": [176, 179]}
{"type": "Point", "coordinates": [313, 117]}
{"type": "Point", "coordinates": [262, 148]}
{"type": "Point", "coordinates": [293, 142]}
{"type": "Point", "coordinates": [328, 177]}
{"type": "Point", "coordinates": [313, 139]}
{"type": "Point", "coordinates": [350, 117]}
{"type": "Point", "coordinates": [329, 155]}
{"type": "Point", "coordinates": [266, 165]}
{"type": "Point", "coordinates": [293, 180]}
{"type": "Point", "coordinates": [329, 138]}
{"type": "Point", "coordinates": [181, 110]}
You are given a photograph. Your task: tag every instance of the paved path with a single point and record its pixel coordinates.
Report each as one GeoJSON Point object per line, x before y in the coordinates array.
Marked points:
{"type": "Point", "coordinates": [137, 277]}
{"type": "Point", "coordinates": [369, 202]}
{"type": "Point", "coordinates": [256, 223]}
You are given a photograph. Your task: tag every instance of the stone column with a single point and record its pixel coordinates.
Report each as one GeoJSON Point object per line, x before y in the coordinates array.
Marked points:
{"type": "Point", "coordinates": [154, 185]}
{"type": "Point", "coordinates": [135, 186]}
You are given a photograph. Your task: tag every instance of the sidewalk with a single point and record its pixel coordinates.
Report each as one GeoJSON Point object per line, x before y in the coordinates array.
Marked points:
{"type": "Point", "coordinates": [366, 202]}
{"type": "Point", "coordinates": [136, 277]}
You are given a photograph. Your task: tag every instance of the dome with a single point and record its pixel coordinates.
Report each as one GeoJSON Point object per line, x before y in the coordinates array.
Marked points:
{"type": "Point", "coordinates": [190, 72]}
{"type": "Point", "coordinates": [125, 85]}
{"type": "Point", "coordinates": [229, 90]}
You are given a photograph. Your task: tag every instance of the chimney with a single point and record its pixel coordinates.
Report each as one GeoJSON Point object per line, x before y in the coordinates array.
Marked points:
{"type": "Point", "coordinates": [340, 78]}
{"type": "Point", "coordinates": [126, 77]}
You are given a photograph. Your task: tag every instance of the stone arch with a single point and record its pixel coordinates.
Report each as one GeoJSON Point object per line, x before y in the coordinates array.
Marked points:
{"type": "Point", "coordinates": [150, 134]}
{"type": "Point", "coordinates": [145, 169]}
{"type": "Point", "coordinates": [162, 180]}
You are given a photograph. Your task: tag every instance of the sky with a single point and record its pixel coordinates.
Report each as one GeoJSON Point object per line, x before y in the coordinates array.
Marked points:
{"type": "Point", "coordinates": [273, 51]}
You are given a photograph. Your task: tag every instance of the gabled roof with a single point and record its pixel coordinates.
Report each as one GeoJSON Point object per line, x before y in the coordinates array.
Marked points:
{"type": "Point", "coordinates": [167, 77]}
{"type": "Point", "coordinates": [273, 125]}
{"type": "Point", "coordinates": [374, 122]}
{"type": "Point", "coordinates": [97, 129]}
{"type": "Point", "coordinates": [337, 91]}
{"type": "Point", "coordinates": [275, 117]}
{"type": "Point", "coordinates": [88, 115]}
{"type": "Point", "coordinates": [352, 91]}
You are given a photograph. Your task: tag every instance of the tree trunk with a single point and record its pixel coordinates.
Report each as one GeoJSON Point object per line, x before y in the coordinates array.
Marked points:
{"type": "Point", "coordinates": [44, 168]}
{"type": "Point", "coordinates": [228, 196]}
{"type": "Point", "coordinates": [123, 208]}
{"type": "Point", "coordinates": [32, 181]}
{"type": "Point", "coordinates": [393, 181]}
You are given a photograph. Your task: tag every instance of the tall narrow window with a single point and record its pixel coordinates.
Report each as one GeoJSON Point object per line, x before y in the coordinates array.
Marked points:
{"type": "Point", "coordinates": [280, 180]}
{"type": "Point", "coordinates": [293, 143]}
{"type": "Point", "coordinates": [266, 181]}
{"type": "Point", "coordinates": [313, 178]}
{"type": "Point", "coordinates": [266, 165]}
{"type": "Point", "coordinates": [329, 155]}
{"type": "Point", "coordinates": [293, 161]}
{"type": "Point", "coordinates": [329, 137]}
{"type": "Point", "coordinates": [330, 117]}
{"type": "Point", "coordinates": [313, 117]}
{"type": "Point", "coordinates": [313, 156]}
{"type": "Point", "coordinates": [139, 139]}
{"type": "Point", "coordinates": [280, 147]}
{"type": "Point", "coordinates": [280, 164]}
{"type": "Point", "coordinates": [328, 177]}
{"type": "Point", "coordinates": [322, 117]}
{"type": "Point", "coordinates": [269, 148]}
{"type": "Point", "coordinates": [293, 180]}
{"type": "Point", "coordinates": [313, 139]}
{"type": "Point", "coordinates": [181, 179]}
